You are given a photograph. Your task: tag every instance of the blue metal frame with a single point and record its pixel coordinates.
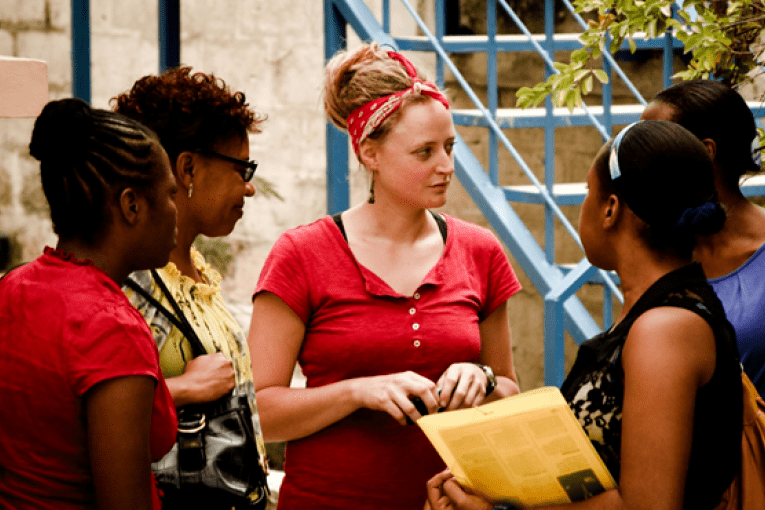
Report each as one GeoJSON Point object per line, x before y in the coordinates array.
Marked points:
{"type": "Point", "coordinates": [337, 15]}
{"type": "Point", "coordinates": [549, 128]}
{"type": "Point", "coordinates": [169, 34]}
{"type": "Point", "coordinates": [338, 193]}
{"type": "Point", "coordinates": [81, 49]}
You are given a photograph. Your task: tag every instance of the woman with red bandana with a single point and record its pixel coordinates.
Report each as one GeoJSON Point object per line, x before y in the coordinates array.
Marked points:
{"type": "Point", "coordinates": [392, 310]}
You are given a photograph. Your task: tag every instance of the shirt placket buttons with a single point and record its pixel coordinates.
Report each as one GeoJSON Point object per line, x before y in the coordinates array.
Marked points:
{"type": "Point", "coordinates": [415, 326]}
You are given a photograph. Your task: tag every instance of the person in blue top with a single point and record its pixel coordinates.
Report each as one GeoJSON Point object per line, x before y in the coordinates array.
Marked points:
{"type": "Point", "coordinates": [732, 258]}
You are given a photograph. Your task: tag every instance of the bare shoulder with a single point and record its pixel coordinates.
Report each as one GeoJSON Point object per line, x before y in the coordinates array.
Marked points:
{"type": "Point", "coordinates": [671, 340]}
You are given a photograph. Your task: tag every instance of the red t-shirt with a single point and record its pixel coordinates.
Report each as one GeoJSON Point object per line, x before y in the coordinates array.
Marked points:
{"type": "Point", "coordinates": [357, 326]}
{"type": "Point", "coordinates": [65, 326]}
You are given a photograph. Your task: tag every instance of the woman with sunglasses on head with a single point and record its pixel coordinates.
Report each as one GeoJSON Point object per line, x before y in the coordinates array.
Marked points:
{"type": "Point", "coordinates": [85, 409]}
{"type": "Point", "coordinates": [733, 258]}
{"type": "Point", "coordinates": [393, 311]}
{"type": "Point", "coordinates": [659, 393]}
{"type": "Point", "coordinates": [204, 128]}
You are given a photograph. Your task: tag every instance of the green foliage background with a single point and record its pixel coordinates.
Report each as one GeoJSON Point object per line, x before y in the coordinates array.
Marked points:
{"type": "Point", "coordinates": [724, 39]}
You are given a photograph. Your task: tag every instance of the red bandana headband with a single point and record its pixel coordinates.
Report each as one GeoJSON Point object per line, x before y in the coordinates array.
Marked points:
{"type": "Point", "coordinates": [363, 121]}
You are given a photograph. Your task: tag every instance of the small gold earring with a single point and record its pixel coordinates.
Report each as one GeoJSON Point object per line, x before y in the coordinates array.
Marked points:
{"type": "Point", "coordinates": [191, 189]}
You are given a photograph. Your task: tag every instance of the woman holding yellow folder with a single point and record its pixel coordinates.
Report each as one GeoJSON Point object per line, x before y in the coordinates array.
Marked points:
{"type": "Point", "coordinates": [658, 394]}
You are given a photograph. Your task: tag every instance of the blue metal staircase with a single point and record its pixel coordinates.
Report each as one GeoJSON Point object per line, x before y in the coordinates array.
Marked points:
{"type": "Point", "coordinates": [563, 311]}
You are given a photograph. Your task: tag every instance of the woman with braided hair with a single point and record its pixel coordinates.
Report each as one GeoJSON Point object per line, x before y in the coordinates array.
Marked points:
{"type": "Point", "coordinates": [85, 409]}
{"type": "Point", "coordinates": [393, 311]}
{"type": "Point", "coordinates": [659, 394]}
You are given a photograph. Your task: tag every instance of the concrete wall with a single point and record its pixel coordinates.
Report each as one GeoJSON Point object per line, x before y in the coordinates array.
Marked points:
{"type": "Point", "coordinates": [273, 51]}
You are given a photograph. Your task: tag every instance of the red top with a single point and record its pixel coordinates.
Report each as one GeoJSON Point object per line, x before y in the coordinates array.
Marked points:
{"type": "Point", "coordinates": [65, 326]}
{"type": "Point", "coordinates": [357, 326]}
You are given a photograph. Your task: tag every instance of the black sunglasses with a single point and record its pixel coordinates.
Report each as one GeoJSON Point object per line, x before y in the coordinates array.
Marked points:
{"type": "Point", "coordinates": [249, 165]}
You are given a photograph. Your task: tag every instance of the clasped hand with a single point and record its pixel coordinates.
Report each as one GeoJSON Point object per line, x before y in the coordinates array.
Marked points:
{"type": "Point", "coordinates": [461, 385]}
{"type": "Point", "coordinates": [444, 493]}
{"type": "Point", "coordinates": [211, 376]}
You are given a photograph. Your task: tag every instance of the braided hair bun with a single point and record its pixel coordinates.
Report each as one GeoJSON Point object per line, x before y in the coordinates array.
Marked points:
{"type": "Point", "coordinates": [86, 155]}
{"type": "Point", "coordinates": [62, 131]}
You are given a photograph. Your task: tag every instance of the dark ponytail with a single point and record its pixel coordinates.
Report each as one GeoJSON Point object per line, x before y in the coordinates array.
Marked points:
{"type": "Point", "coordinates": [710, 109]}
{"type": "Point", "coordinates": [664, 175]}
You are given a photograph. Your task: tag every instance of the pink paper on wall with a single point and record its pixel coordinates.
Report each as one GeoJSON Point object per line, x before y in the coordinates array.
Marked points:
{"type": "Point", "coordinates": [23, 86]}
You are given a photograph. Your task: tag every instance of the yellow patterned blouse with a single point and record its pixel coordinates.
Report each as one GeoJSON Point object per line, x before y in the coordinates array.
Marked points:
{"type": "Point", "coordinates": [203, 306]}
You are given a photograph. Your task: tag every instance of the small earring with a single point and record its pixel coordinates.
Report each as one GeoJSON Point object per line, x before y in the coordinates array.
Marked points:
{"type": "Point", "coordinates": [371, 198]}
{"type": "Point", "coordinates": [191, 189]}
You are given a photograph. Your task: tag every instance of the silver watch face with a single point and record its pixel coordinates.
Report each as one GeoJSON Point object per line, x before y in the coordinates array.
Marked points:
{"type": "Point", "coordinates": [491, 379]}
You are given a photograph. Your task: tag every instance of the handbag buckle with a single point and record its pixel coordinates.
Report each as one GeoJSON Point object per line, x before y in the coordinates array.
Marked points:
{"type": "Point", "coordinates": [193, 428]}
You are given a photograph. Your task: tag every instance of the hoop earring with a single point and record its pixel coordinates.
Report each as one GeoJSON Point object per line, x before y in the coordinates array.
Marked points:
{"type": "Point", "coordinates": [371, 198]}
{"type": "Point", "coordinates": [191, 189]}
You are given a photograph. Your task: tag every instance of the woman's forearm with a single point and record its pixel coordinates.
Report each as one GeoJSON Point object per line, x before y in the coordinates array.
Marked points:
{"type": "Point", "coordinates": [293, 413]}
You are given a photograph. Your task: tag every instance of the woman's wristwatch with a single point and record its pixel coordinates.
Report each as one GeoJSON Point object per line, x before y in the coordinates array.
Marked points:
{"type": "Point", "coordinates": [491, 379]}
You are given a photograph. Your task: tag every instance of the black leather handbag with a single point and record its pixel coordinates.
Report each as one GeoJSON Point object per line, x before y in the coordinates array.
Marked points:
{"type": "Point", "coordinates": [215, 463]}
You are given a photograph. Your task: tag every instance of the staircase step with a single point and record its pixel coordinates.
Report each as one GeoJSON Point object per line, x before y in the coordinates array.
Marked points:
{"type": "Point", "coordinates": [573, 193]}
{"type": "Point", "coordinates": [508, 43]}
{"type": "Point", "coordinates": [514, 118]}
{"type": "Point", "coordinates": [596, 278]}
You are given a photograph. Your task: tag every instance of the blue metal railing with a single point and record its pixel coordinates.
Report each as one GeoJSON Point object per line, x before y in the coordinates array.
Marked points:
{"type": "Point", "coordinates": [169, 33]}
{"type": "Point", "coordinates": [81, 49]}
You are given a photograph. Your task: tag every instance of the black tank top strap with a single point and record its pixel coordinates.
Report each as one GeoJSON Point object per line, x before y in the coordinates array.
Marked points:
{"type": "Point", "coordinates": [440, 221]}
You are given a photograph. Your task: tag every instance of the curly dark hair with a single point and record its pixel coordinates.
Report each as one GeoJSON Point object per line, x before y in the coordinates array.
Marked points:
{"type": "Point", "coordinates": [188, 110]}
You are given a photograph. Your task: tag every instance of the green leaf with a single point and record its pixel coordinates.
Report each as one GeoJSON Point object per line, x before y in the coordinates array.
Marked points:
{"type": "Point", "coordinates": [601, 75]}
{"type": "Point", "coordinates": [580, 56]}
{"type": "Point", "coordinates": [587, 85]}
{"type": "Point", "coordinates": [692, 41]}
{"type": "Point", "coordinates": [651, 29]}
{"type": "Point", "coordinates": [573, 99]}
{"type": "Point", "coordinates": [560, 66]}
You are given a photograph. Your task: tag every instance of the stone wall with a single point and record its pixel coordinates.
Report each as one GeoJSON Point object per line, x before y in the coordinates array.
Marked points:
{"type": "Point", "coordinates": [273, 51]}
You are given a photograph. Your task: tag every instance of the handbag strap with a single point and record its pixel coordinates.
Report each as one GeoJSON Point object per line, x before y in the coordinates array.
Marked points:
{"type": "Point", "coordinates": [178, 319]}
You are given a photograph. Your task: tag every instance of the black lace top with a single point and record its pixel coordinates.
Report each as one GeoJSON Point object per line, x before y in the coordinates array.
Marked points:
{"type": "Point", "coordinates": [595, 389]}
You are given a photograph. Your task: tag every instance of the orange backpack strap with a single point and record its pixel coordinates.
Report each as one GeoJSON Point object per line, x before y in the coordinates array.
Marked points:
{"type": "Point", "coordinates": [748, 488]}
